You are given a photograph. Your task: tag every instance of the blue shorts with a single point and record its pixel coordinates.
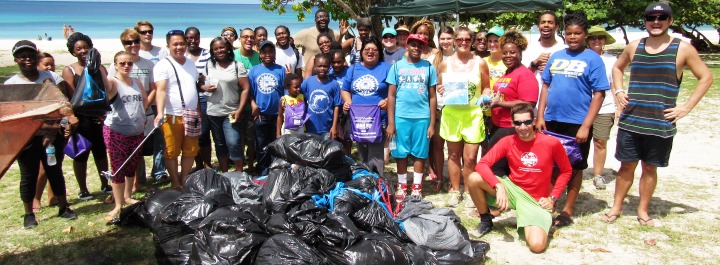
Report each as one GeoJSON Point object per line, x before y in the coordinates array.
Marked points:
{"type": "Point", "coordinates": [411, 138]}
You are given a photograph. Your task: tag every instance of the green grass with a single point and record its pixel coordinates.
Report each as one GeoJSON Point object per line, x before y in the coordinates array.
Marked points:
{"type": "Point", "coordinates": [688, 212]}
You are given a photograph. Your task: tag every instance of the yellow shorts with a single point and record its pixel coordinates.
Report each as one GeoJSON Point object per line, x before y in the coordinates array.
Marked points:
{"type": "Point", "coordinates": [462, 125]}
{"type": "Point", "coordinates": [175, 139]}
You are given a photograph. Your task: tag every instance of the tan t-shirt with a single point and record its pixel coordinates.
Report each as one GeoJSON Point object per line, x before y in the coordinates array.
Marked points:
{"type": "Point", "coordinates": [307, 39]}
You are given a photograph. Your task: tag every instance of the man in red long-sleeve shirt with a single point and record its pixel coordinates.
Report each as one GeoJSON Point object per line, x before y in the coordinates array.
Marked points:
{"type": "Point", "coordinates": [531, 158]}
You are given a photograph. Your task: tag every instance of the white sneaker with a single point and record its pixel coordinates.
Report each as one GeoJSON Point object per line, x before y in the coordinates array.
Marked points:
{"type": "Point", "coordinates": [454, 199]}
{"type": "Point", "coordinates": [469, 204]}
{"type": "Point", "coordinates": [599, 182]}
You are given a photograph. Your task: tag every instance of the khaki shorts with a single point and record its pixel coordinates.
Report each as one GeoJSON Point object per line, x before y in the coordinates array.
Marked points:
{"type": "Point", "coordinates": [175, 139]}
{"type": "Point", "coordinates": [602, 125]}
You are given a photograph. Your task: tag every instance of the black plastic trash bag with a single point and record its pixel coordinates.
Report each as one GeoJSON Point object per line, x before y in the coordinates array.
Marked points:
{"type": "Point", "coordinates": [159, 199]}
{"type": "Point", "coordinates": [304, 221]}
{"type": "Point", "coordinates": [286, 187]}
{"type": "Point", "coordinates": [311, 150]}
{"type": "Point", "coordinates": [203, 192]}
{"type": "Point", "coordinates": [339, 231]}
{"type": "Point", "coordinates": [289, 250]}
{"type": "Point", "coordinates": [133, 215]}
{"type": "Point", "coordinates": [174, 251]}
{"type": "Point", "coordinates": [228, 236]}
{"type": "Point", "coordinates": [244, 190]}
{"type": "Point", "coordinates": [208, 183]}
{"type": "Point", "coordinates": [449, 257]}
{"type": "Point", "coordinates": [90, 99]}
{"type": "Point", "coordinates": [382, 249]}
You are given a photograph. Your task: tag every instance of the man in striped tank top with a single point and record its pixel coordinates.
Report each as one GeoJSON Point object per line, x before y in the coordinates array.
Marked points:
{"type": "Point", "coordinates": [647, 124]}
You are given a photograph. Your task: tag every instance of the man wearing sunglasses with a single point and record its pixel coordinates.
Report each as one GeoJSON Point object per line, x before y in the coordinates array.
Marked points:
{"type": "Point", "coordinates": [147, 49]}
{"type": "Point", "coordinates": [526, 190]}
{"type": "Point", "coordinates": [649, 108]}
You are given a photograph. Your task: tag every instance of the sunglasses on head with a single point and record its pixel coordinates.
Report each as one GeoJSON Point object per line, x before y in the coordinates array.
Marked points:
{"type": "Point", "coordinates": [657, 17]}
{"type": "Point", "coordinates": [131, 42]}
{"type": "Point", "coordinates": [143, 32]}
{"type": "Point", "coordinates": [520, 123]}
{"type": "Point", "coordinates": [176, 32]}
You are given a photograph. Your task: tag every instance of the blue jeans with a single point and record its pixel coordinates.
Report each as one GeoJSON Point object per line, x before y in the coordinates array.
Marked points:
{"type": "Point", "coordinates": [204, 139]}
{"type": "Point", "coordinates": [158, 169]}
{"type": "Point", "coordinates": [226, 136]}
{"type": "Point", "coordinates": [265, 127]}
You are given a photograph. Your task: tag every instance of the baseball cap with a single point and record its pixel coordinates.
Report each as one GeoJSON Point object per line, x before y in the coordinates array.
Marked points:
{"type": "Point", "coordinates": [496, 30]}
{"type": "Point", "coordinates": [390, 31]}
{"type": "Point", "coordinates": [265, 42]}
{"type": "Point", "coordinates": [600, 31]}
{"type": "Point", "coordinates": [24, 44]}
{"type": "Point", "coordinates": [417, 37]}
{"type": "Point", "coordinates": [402, 28]}
{"type": "Point", "coordinates": [658, 8]}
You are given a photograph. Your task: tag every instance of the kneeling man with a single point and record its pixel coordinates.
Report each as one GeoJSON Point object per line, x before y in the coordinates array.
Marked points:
{"type": "Point", "coordinates": [531, 157]}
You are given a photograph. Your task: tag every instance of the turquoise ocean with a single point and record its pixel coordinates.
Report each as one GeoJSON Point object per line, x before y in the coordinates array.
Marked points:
{"type": "Point", "coordinates": [104, 20]}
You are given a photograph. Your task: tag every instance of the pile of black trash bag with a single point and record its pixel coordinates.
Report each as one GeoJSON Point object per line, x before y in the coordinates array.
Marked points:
{"type": "Point", "coordinates": [316, 207]}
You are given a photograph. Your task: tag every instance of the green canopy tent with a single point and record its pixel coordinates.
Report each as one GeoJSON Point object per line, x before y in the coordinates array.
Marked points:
{"type": "Point", "coordinates": [419, 8]}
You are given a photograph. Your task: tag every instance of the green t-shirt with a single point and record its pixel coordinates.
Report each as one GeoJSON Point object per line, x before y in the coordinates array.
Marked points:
{"type": "Point", "coordinates": [248, 63]}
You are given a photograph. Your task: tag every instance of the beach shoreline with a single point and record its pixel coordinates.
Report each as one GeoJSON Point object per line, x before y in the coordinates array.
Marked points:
{"type": "Point", "coordinates": [108, 47]}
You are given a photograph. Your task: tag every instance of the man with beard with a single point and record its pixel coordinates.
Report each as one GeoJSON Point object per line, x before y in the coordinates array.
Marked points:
{"type": "Point", "coordinates": [647, 123]}
{"type": "Point", "coordinates": [287, 55]}
{"type": "Point", "coordinates": [526, 190]}
{"type": "Point", "coordinates": [307, 38]}
{"type": "Point", "coordinates": [538, 53]}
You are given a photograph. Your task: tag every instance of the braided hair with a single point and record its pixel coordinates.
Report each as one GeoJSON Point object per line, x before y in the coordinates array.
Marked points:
{"type": "Point", "coordinates": [577, 19]}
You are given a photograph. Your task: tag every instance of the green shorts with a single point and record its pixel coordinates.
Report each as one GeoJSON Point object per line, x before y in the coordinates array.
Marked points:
{"type": "Point", "coordinates": [529, 211]}
{"type": "Point", "coordinates": [460, 124]}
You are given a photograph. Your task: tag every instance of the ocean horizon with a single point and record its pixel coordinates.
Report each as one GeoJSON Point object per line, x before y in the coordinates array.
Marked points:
{"type": "Point", "coordinates": [104, 20]}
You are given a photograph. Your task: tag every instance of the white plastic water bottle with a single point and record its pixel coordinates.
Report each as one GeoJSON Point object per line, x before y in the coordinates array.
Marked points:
{"type": "Point", "coordinates": [50, 151]}
{"type": "Point", "coordinates": [392, 145]}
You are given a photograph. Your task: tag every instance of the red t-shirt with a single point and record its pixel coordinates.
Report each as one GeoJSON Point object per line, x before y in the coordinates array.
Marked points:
{"type": "Point", "coordinates": [531, 164]}
{"type": "Point", "coordinates": [520, 84]}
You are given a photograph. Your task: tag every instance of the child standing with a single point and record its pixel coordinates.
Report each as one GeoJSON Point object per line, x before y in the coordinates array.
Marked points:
{"type": "Point", "coordinates": [411, 97]}
{"type": "Point", "coordinates": [293, 98]}
{"type": "Point", "coordinates": [323, 102]}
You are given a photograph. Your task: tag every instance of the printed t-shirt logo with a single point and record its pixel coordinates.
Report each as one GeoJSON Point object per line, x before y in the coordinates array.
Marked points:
{"type": "Point", "coordinates": [569, 68]}
{"type": "Point", "coordinates": [266, 83]}
{"type": "Point", "coordinates": [319, 101]}
{"type": "Point", "coordinates": [529, 159]}
{"type": "Point", "coordinates": [366, 85]}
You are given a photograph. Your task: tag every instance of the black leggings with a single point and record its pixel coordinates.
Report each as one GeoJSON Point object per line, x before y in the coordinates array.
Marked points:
{"type": "Point", "coordinates": [29, 161]}
{"type": "Point", "coordinates": [91, 130]}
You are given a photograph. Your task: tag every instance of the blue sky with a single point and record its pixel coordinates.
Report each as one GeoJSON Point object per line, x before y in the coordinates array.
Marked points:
{"type": "Point", "coordinates": [168, 1]}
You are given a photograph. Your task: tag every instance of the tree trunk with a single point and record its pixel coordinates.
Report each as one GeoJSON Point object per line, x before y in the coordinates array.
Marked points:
{"type": "Point", "coordinates": [625, 35]}
{"type": "Point", "coordinates": [699, 41]}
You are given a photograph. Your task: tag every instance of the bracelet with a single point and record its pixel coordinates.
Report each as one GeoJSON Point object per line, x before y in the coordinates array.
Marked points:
{"type": "Point", "coordinates": [620, 90]}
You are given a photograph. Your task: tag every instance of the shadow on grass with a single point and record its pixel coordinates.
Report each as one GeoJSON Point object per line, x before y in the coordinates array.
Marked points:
{"type": "Point", "coordinates": [117, 246]}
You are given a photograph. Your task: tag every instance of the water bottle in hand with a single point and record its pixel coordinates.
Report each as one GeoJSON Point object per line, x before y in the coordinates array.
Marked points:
{"type": "Point", "coordinates": [50, 151]}
{"type": "Point", "coordinates": [392, 145]}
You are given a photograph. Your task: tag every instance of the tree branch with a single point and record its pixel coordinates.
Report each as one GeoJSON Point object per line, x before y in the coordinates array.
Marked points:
{"type": "Point", "coordinates": [347, 8]}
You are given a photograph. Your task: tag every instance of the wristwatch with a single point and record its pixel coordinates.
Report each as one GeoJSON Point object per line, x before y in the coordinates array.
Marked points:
{"type": "Point", "coordinates": [533, 64]}
{"type": "Point", "coordinates": [553, 198]}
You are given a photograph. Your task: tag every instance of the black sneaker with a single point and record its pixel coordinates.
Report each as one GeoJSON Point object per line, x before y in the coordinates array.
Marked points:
{"type": "Point", "coordinates": [485, 225]}
{"type": "Point", "coordinates": [67, 213]}
{"type": "Point", "coordinates": [29, 221]}
{"type": "Point", "coordinates": [106, 189]}
{"type": "Point", "coordinates": [84, 196]}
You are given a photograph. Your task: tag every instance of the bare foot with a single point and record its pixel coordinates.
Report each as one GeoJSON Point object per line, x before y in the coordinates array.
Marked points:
{"type": "Point", "coordinates": [130, 201]}
{"type": "Point", "coordinates": [109, 199]}
{"type": "Point", "coordinates": [114, 212]}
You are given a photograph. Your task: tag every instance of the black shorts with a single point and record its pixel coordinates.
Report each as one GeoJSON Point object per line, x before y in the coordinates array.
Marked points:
{"type": "Point", "coordinates": [633, 147]}
{"type": "Point", "coordinates": [571, 129]}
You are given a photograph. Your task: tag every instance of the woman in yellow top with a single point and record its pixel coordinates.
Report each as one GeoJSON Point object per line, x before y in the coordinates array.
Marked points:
{"type": "Point", "coordinates": [462, 125]}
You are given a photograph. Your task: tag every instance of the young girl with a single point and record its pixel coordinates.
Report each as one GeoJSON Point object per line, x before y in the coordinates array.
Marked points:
{"type": "Point", "coordinates": [46, 62]}
{"type": "Point", "coordinates": [124, 127]}
{"type": "Point", "coordinates": [291, 99]}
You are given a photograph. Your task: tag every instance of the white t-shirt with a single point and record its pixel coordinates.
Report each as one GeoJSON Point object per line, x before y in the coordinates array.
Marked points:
{"type": "Point", "coordinates": [19, 79]}
{"type": "Point", "coordinates": [533, 51]}
{"type": "Point", "coordinates": [154, 55]}
{"type": "Point", "coordinates": [608, 105]}
{"type": "Point", "coordinates": [286, 57]}
{"type": "Point", "coordinates": [142, 70]}
{"type": "Point", "coordinates": [188, 75]}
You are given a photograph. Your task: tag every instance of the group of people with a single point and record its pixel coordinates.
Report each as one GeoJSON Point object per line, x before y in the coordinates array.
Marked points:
{"type": "Point", "coordinates": [487, 94]}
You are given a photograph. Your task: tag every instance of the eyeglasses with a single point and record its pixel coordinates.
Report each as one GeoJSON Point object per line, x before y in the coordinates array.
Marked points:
{"type": "Point", "coordinates": [143, 32]}
{"type": "Point", "coordinates": [247, 37]}
{"type": "Point", "coordinates": [596, 37]}
{"type": "Point", "coordinates": [228, 34]}
{"type": "Point", "coordinates": [131, 42]}
{"type": "Point", "coordinates": [520, 123]}
{"type": "Point", "coordinates": [460, 40]}
{"type": "Point", "coordinates": [370, 50]}
{"type": "Point", "coordinates": [388, 36]}
{"type": "Point", "coordinates": [176, 32]}
{"type": "Point", "coordinates": [125, 63]}
{"type": "Point", "coordinates": [651, 18]}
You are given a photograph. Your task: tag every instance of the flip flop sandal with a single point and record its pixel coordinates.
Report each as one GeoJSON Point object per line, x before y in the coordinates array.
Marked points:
{"type": "Point", "coordinates": [646, 222]}
{"type": "Point", "coordinates": [611, 218]}
{"type": "Point", "coordinates": [561, 221]}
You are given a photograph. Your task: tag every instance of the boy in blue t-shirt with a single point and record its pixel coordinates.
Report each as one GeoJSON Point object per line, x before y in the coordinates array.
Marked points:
{"type": "Point", "coordinates": [323, 100]}
{"type": "Point", "coordinates": [411, 96]}
{"type": "Point", "coordinates": [266, 87]}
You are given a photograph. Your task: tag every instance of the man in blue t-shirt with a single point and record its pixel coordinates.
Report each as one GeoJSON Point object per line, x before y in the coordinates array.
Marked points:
{"type": "Point", "coordinates": [412, 93]}
{"type": "Point", "coordinates": [266, 81]}
{"type": "Point", "coordinates": [322, 96]}
{"type": "Point", "coordinates": [574, 85]}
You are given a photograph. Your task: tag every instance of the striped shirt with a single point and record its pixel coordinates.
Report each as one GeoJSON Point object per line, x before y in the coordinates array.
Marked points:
{"type": "Point", "coordinates": [653, 88]}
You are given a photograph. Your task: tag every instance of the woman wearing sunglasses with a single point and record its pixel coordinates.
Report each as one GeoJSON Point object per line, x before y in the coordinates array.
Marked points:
{"type": "Point", "coordinates": [142, 70]}
{"type": "Point", "coordinates": [124, 128]}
